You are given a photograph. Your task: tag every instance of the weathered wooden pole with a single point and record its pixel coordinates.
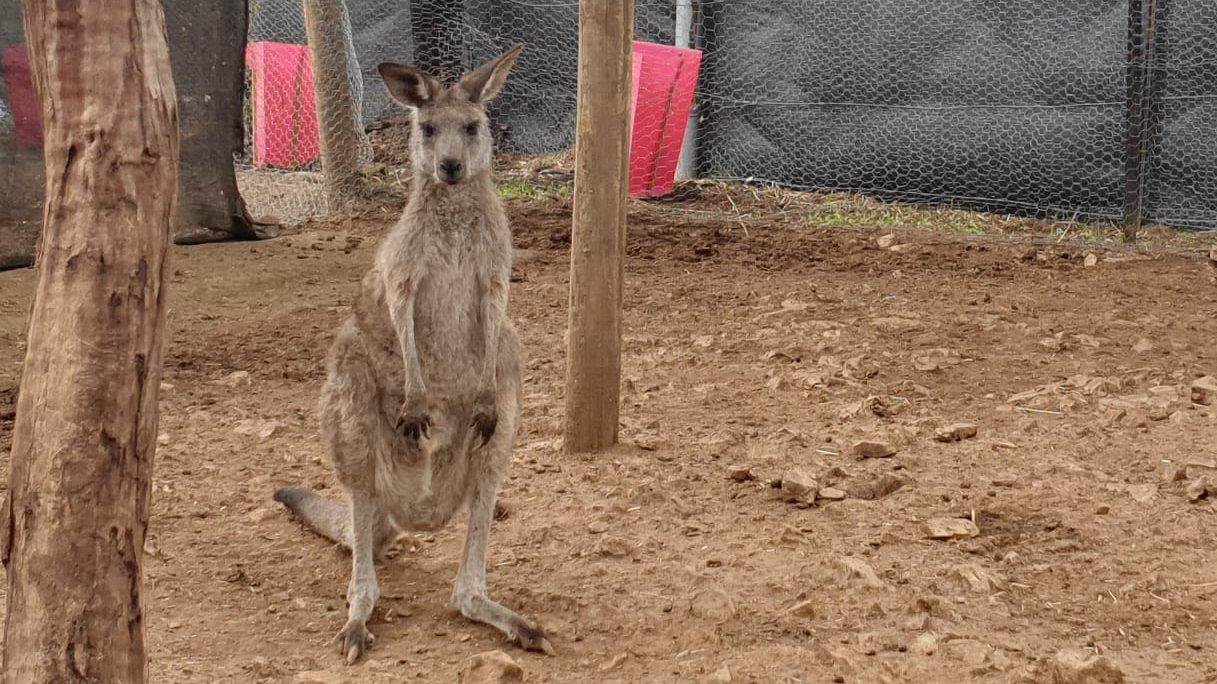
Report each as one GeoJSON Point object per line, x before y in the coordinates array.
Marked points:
{"type": "Point", "coordinates": [602, 159]}
{"type": "Point", "coordinates": [326, 23]}
{"type": "Point", "coordinates": [85, 432]}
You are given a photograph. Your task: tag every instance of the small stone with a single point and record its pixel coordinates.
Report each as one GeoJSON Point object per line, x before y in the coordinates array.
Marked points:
{"type": "Point", "coordinates": [597, 527]}
{"type": "Point", "coordinates": [1091, 260]}
{"type": "Point", "coordinates": [950, 528]}
{"type": "Point", "coordinates": [1173, 472]}
{"type": "Point", "coordinates": [1143, 346]}
{"type": "Point", "coordinates": [1074, 666]}
{"type": "Point", "coordinates": [1204, 391]}
{"type": "Point", "coordinates": [1143, 493]}
{"type": "Point", "coordinates": [872, 449]}
{"type": "Point", "coordinates": [1198, 468]}
{"type": "Point", "coordinates": [804, 609]}
{"type": "Point", "coordinates": [886, 241]}
{"type": "Point", "coordinates": [925, 644]}
{"type": "Point", "coordinates": [1102, 510]}
{"type": "Point", "coordinates": [1199, 488]}
{"type": "Point", "coordinates": [712, 604]}
{"type": "Point", "coordinates": [1213, 255]}
{"type": "Point", "coordinates": [613, 547]}
{"type": "Point", "coordinates": [832, 494]}
{"type": "Point", "coordinates": [859, 571]}
{"type": "Point", "coordinates": [873, 490]}
{"type": "Point", "coordinates": [491, 667]}
{"type": "Point", "coordinates": [162, 439]}
{"type": "Point", "coordinates": [262, 429]}
{"type": "Point", "coordinates": [778, 383]}
{"type": "Point", "coordinates": [261, 515]}
{"type": "Point", "coordinates": [617, 661]}
{"type": "Point", "coordinates": [956, 432]}
{"type": "Point", "coordinates": [236, 379]}
{"type": "Point", "coordinates": [720, 676]}
{"type": "Point", "coordinates": [799, 485]}
{"type": "Point", "coordinates": [740, 473]}
{"type": "Point", "coordinates": [978, 579]}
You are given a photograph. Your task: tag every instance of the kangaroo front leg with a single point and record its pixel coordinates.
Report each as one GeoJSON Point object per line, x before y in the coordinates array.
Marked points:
{"type": "Point", "coordinates": [363, 592]}
{"type": "Point", "coordinates": [493, 309]}
{"type": "Point", "coordinates": [469, 593]}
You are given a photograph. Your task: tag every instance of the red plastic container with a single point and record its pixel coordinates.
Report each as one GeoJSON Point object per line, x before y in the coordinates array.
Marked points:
{"type": "Point", "coordinates": [665, 80]}
{"type": "Point", "coordinates": [284, 107]}
{"type": "Point", "coordinates": [22, 99]}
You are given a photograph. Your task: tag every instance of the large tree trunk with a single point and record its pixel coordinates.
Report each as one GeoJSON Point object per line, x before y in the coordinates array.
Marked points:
{"type": "Point", "coordinates": [85, 431]}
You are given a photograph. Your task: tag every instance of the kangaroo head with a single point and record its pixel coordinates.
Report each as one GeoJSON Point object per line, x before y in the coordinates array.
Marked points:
{"type": "Point", "coordinates": [450, 140]}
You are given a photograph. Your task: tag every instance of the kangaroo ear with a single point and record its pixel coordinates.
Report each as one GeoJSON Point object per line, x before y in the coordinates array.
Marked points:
{"type": "Point", "coordinates": [485, 83]}
{"type": "Point", "coordinates": [408, 85]}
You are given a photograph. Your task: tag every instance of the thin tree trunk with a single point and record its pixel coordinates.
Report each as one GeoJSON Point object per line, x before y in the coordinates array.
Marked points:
{"type": "Point", "coordinates": [602, 161]}
{"type": "Point", "coordinates": [325, 21]}
{"type": "Point", "coordinates": [85, 431]}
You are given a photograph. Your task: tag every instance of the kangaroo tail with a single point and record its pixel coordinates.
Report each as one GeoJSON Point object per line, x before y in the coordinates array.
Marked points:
{"type": "Point", "coordinates": [327, 518]}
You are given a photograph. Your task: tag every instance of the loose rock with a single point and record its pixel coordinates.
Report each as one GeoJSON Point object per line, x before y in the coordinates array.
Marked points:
{"type": "Point", "coordinates": [799, 485]}
{"type": "Point", "coordinates": [712, 604]}
{"type": "Point", "coordinates": [740, 473]}
{"type": "Point", "coordinates": [871, 449]}
{"type": "Point", "coordinates": [978, 579]}
{"type": "Point", "coordinates": [1201, 488]}
{"type": "Point", "coordinates": [1091, 260]}
{"type": "Point", "coordinates": [859, 571]}
{"type": "Point", "coordinates": [886, 241]}
{"type": "Point", "coordinates": [1143, 493]}
{"type": "Point", "coordinates": [491, 667]}
{"type": "Point", "coordinates": [613, 547]}
{"type": "Point", "coordinates": [262, 429]}
{"type": "Point", "coordinates": [956, 433]}
{"type": "Point", "coordinates": [873, 490]}
{"type": "Point", "coordinates": [720, 676]}
{"type": "Point", "coordinates": [597, 527]}
{"type": "Point", "coordinates": [1204, 390]}
{"type": "Point", "coordinates": [832, 494]}
{"type": "Point", "coordinates": [803, 609]}
{"type": "Point", "coordinates": [950, 528]}
{"type": "Point", "coordinates": [1073, 666]}
{"type": "Point", "coordinates": [926, 645]}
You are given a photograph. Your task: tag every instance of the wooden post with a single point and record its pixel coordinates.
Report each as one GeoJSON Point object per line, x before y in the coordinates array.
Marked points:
{"type": "Point", "coordinates": [602, 158]}
{"type": "Point", "coordinates": [85, 433]}
{"type": "Point", "coordinates": [326, 23]}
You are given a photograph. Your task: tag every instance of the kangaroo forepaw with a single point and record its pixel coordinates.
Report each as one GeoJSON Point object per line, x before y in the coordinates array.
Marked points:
{"type": "Point", "coordinates": [353, 641]}
{"type": "Point", "coordinates": [484, 423]}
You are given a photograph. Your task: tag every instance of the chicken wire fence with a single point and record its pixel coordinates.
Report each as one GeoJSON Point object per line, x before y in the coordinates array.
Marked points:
{"type": "Point", "coordinates": [1075, 109]}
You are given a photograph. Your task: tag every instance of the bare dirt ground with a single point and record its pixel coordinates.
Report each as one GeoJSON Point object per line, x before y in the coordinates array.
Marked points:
{"type": "Point", "coordinates": [771, 345]}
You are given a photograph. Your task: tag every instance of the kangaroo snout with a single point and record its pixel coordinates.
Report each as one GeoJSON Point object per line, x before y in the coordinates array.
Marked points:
{"type": "Point", "coordinates": [450, 170]}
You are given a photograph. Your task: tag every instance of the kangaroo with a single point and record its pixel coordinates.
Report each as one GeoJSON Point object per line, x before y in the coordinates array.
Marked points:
{"type": "Point", "coordinates": [422, 397]}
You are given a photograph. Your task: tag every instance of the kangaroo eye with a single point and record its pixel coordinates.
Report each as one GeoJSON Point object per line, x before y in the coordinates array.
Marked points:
{"type": "Point", "coordinates": [428, 130]}
{"type": "Point", "coordinates": [471, 129]}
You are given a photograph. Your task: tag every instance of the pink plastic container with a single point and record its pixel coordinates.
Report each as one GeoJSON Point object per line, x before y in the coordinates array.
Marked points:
{"type": "Point", "coordinates": [665, 80]}
{"type": "Point", "coordinates": [22, 99]}
{"type": "Point", "coordinates": [285, 107]}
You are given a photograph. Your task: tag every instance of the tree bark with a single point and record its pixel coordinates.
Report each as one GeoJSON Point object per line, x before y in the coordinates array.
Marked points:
{"type": "Point", "coordinates": [602, 158]}
{"type": "Point", "coordinates": [326, 21]}
{"type": "Point", "coordinates": [85, 431]}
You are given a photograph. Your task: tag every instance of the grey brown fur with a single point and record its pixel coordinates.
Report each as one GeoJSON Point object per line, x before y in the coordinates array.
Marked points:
{"type": "Point", "coordinates": [422, 399]}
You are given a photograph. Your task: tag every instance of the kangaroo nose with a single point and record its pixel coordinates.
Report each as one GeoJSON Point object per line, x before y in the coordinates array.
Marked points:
{"type": "Point", "coordinates": [451, 170]}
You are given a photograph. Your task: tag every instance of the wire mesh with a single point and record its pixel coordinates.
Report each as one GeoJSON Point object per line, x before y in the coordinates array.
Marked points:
{"type": "Point", "coordinates": [1011, 107]}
